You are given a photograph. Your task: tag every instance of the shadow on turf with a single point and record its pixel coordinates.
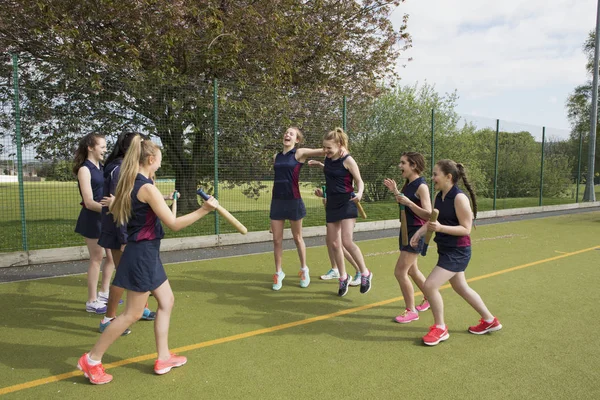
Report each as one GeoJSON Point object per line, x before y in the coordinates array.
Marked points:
{"type": "Point", "coordinates": [260, 306]}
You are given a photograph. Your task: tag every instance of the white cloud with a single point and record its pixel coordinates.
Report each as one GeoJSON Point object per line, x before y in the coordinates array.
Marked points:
{"type": "Point", "coordinates": [490, 49]}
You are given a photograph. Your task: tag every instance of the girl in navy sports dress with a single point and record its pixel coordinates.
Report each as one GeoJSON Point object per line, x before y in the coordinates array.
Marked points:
{"type": "Point", "coordinates": [112, 237]}
{"type": "Point", "coordinates": [415, 197]}
{"type": "Point", "coordinates": [286, 202]}
{"type": "Point", "coordinates": [452, 228]}
{"type": "Point", "coordinates": [140, 205]}
{"type": "Point", "coordinates": [340, 171]}
{"type": "Point", "coordinates": [89, 171]}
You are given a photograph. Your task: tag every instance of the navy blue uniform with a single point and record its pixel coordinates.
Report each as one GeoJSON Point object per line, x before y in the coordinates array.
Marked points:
{"type": "Point", "coordinates": [111, 236]}
{"type": "Point", "coordinates": [339, 191]}
{"type": "Point", "coordinates": [454, 251]}
{"type": "Point", "coordinates": [286, 202]}
{"type": "Point", "coordinates": [88, 222]}
{"type": "Point", "coordinates": [140, 268]}
{"type": "Point", "coordinates": [413, 221]}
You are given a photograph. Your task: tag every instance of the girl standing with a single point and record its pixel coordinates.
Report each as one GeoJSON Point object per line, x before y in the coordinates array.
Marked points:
{"type": "Point", "coordinates": [415, 197]}
{"type": "Point", "coordinates": [140, 205]}
{"type": "Point", "coordinates": [287, 203]}
{"type": "Point", "coordinates": [452, 228]}
{"type": "Point", "coordinates": [340, 171]}
{"type": "Point", "coordinates": [90, 179]}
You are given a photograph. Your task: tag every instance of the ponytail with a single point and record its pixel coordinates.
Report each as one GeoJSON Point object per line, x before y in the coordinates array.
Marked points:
{"type": "Point", "coordinates": [463, 175]}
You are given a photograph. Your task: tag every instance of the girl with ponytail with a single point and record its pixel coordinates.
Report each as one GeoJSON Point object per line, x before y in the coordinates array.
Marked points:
{"type": "Point", "coordinates": [140, 205]}
{"type": "Point", "coordinates": [452, 228]}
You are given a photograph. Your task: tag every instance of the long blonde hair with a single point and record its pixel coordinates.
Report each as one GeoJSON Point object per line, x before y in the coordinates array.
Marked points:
{"type": "Point", "coordinates": [338, 136]}
{"type": "Point", "coordinates": [137, 154]}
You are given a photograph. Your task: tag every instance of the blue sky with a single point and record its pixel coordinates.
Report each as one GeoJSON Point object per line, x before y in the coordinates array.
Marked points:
{"type": "Point", "coordinates": [513, 60]}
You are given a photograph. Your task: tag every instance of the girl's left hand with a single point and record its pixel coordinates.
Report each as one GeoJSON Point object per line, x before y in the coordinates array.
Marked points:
{"type": "Point", "coordinates": [405, 201]}
{"type": "Point", "coordinates": [107, 200]}
{"type": "Point", "coordinates": [434, 226]}
{"type": "Point", "coordinates": [171, 196]}
{"type": "Point", "coordinates": [357, 197]}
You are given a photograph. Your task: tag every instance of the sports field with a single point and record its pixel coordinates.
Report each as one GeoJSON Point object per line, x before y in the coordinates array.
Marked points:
{"type": "Point", "coordinates": [245, 341]}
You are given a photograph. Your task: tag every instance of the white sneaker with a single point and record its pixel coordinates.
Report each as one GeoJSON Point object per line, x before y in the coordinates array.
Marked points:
{"type": "Point", "coordinates": [304, 277]}
{"type": "Point", "coordinates": [331, 274]}
{"type": "Point", "coordinates": [103, 297]}
{"type": "Point", "coordinates": [356, 280]}
{"type": "Point", "coordinates": [95, 307]}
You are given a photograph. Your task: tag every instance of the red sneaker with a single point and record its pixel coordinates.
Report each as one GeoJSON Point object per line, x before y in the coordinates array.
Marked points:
{"type": "Point", "coordinates": [162, 367]}
{"type": "Point", "coordinates": [436, 335]}
{"type": "Point", "coordinates": [95, 373]}
{"type": "Point", "coordinates": [485, 327]}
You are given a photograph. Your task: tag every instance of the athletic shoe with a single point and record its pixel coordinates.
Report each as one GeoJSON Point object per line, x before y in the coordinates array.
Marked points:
{"type": "Point", "coordinates": [304, 277]}
{"type": "Point", "coordinates": [356, 280]}
{"type": "Point", "coordinates": [103, 297]}
{"type": "Point", "coordinates": [95, 373]}
{"type": "Point", "coordinates": [485, 327]}
{"type": "Point", "coordinates": [344, 286]}
{"type": "Point", "coordinates": [278, 280]}
{"type": "Point", "coordinates": [365, 283]}
{"type": "Point", "coordinates": [424, 306]}
{"type": "Point", "coordinates": [95, 307]}
{"type": "Point", "coordinates": [406, 316]}
{"type": "Point", "coordinates": [104, 325]}
{"type": "Point", "coordinates": [436, 335]}
{"type": "Point", "coordinates": [148, 315]}
{"type": "Point", "coordinates": [331, 274]}
{"type": "Point", "coordinates": [162, 367]}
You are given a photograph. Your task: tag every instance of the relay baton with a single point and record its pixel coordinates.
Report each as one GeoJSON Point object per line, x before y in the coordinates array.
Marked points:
{"type": "Point", "coordinates": [432, 218]}
{"type": "Point", "coordinates": [225, 214]}
{"type": "Point", "coordinates": [361, 210]}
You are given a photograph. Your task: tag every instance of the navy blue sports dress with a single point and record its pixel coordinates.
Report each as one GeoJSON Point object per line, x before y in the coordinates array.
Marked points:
{"type": "Point", "coordinates": [454, 251]}
{"type": "Point", "coordinates": [413, 222]}
{"type": "Point", "coordinates": [286, 202]}
{"type": "Point", "coordinates": [111, 236]}
{"type": "Point", "coordinates": [140, 268]}
{"type": "Point", "coordinates": [339, 191]}
{"type": "Point", "coordinates": [88, 222]}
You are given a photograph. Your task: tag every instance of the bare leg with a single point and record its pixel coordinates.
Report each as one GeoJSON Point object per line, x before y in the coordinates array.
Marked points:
{"type": "Point", "coordinates": [300, 246]}
{"type": "Point", "coordinates": [348, 257]}
{"type": "Point", "coordinates": [134, 307]}
{"type": "Point", "coordinates": [277, 229]}
{"type": "Point", "coordinates": [460, 286]}
{"type": "Point", "coordinates": [96, 254]}
{"type": "Point", "coordinates": [166, 300]}
{"type": "Point", "coordinates": [347, 234]}
{"type": "Point", "coordinates": [116, 293]}
{"type": "Point", "coordinates": [434, 281]}
{"type": "Point", "coordinates": [107, 271]}
{"type": "Point", "coordinates": [403, 266]}
{"type": "Point", "coordinates": [334, 247]}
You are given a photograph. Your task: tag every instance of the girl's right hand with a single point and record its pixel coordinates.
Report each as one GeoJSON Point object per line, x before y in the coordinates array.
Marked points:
{"type": "Point", "coordinates": [319, 192]}
{"type": "Point", "coordinates": [315, 163]}
{"type": "Point", "coordinates": [210, 204]}
{"type": "Point", "coordinates": [391, 185]}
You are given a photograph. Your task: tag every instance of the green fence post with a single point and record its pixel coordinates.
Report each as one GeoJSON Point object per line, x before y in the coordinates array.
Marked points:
{"type": "Point", "coordinates": [496, 163]}
{"type": "Point", "coordinates": [216, 145]}
{"type": "Point", "coordinates": [542, 168]}
{"type": "Point", "coordinates": [15, 59]}
{"type": "Point", "coordinates": [344, 115]}
{"type": "Point", "coordinates": [432, 151]}
{"type": "Point", "coordinates": [578, 168]}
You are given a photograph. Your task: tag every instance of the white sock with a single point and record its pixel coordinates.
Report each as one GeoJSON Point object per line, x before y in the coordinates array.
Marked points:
{"type": "Point", "coordinates": [304, 268]}
{"type": "Point", "coordinates": [441, 326]}
{"type": "Point", "coordinates": [489, 321]}
{"type": "Point", "coordinates": [93, 362]}
{"type": "Point", "coordinates": [106, 319]}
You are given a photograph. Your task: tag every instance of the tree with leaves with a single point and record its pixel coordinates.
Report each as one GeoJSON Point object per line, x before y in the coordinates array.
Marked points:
{"type": "Point", "coordinates": [108, 66]}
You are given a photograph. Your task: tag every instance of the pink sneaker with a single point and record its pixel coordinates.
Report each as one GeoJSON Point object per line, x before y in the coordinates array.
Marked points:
{"type": "Point", "coordinates": [424, 306]}
{"type": "Point", "coordinates": [435, 335]}
{"type": "Point", "coordinates": [95, 373]}
{"type": "Point", "coordinates": [406, 317]}
{"type": "Point", "coordinates": [485, 327]}
{"type": "Point", "coordinates": [162, 367]}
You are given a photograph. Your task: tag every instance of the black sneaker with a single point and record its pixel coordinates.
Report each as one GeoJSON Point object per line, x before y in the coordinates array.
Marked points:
{"type": "Point", "coordinates": [344, 285]}
{"type": "Point", "coordinates": [365, 283]}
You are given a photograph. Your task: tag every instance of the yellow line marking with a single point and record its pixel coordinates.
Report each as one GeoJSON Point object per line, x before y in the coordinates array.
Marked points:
{"type": "Point", "coordinates": [61, 377]}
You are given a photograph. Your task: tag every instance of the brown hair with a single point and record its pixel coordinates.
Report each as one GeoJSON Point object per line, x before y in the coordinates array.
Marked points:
{"type": "Point", "coordinates": [137, 154]}
{"type": "Point", "coordinates": [299, 134]}
{"type": "Point", "coordinates": [338, 136]}
{"type": "Point", "coordinates": [457, 170]}
{"type": "Point", "coordinates": [81, 154]}
{"type": "Point", "coordinates": [416, 160]}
